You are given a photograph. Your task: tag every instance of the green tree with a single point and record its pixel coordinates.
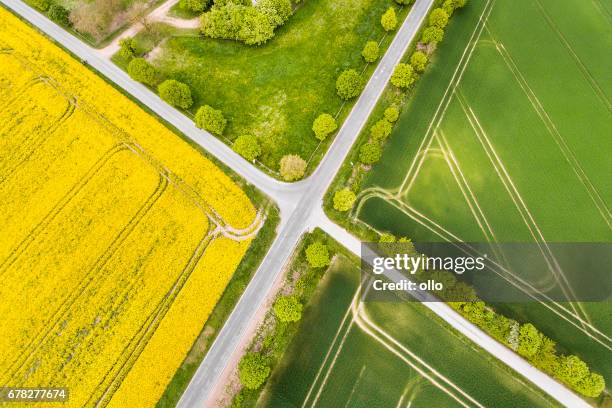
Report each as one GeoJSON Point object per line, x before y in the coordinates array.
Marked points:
{"type": "Point", "coordinates": [389, 19]}
{"type": "Point", "coordinates": [175, 93]}
{"type": "Point", "coordinates": [196, 6]}
{"type": "Point", "coordinates": [391, 114]}
{"type": "Point", "coordinates": [344, 199]}
{"type": "Point", "coordinates": [404, 2]}
{"type": "Point", "coordinates": [369, 153]}
{"type": "Point", "coordinates": [530, 340]}
{"type": "Point", "coordinates": [317, 255]}
{"type": "Point", "coordinates": [253, 370]}
{"type": "Point", "coordinates": [432, 35]}
{"type": "Point", "coordinates": [292, 167]}
{"type": "Point", "coordinates": [277, 11]}
{"type": "Point", "coordinates": [247, 146]}
{"type": "Point", "coordinates": [592, 385]}
{"type": "Point", "coordinates": [381, 130]}
{"type": "Point", "coordinates": [42, 5]}
{"type": "Point", "coordinates": [140, 70]}
{"type": "Point", "coordinates": [288, 309]}
{"type": "Point", "coordinates": [349, 84]}
{"type": "Point", "coordinates": [323, 125]}
{"type": "Point", "coordinates": [418, 60]}
{"type": "Point", "coordinates": [370, 51]}
{"type": "Point", "coordinates": [449, 7]}
{"type": "Point", "coordinates": [403, 75]}
{"type": "Point", "coordinates": [127, 47]}
{"type": "Point", "coordinates": [438, 18]}
{"type": "Point", "coordinates": [237, 22]}
{"type": "Point", "coordinates": [572, 370]}
{"type": "Point", "coordinates": [210, 119]}
{"type": "Point", "coordinates": [59, 14]}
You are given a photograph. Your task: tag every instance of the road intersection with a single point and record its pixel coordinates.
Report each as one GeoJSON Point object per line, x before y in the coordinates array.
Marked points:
{"type": "Point", "coordinates": [300, 204]}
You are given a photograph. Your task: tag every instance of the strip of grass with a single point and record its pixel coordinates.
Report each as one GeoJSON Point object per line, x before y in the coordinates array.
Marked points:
{"type": "Point", "coordinates": [365, 373]}
{"type": "Point", "coordinates": [224, 307]}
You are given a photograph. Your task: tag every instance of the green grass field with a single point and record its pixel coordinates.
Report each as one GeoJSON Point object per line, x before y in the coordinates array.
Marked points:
{"type": "Point", "coordinates": [276, 90]}
{"type": "Point", "coordinates": [507, 139]}
{"type": "Point", "coordinates": [336, 359]}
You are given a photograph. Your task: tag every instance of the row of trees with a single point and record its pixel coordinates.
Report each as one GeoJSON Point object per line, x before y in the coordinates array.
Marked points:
{"type": "Point", "coordinates": [403, 78]}
{"type": "Point", "coordinates": [253, 25]}
{"type": "Point", "coordinates": [178, 94]}
{"type": "Point", "coordinates": [255, 366]}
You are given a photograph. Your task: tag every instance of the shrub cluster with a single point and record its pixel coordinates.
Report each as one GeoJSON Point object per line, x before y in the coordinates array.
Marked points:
{"type": "Point", "coordinates": [248, 147]}
{"type": "Point", "coordinates": [175, 93]}
{"type": "Point", "coordinates": [210, 119]}
{"type": "Point", "coordinates": [253, 25]}
{"type": "Point", "coordinates": [323, 125]}
{"type": "Point", "coordinates": [349, 84]}
{"type": "Point", "coordinates": [292, 167]}
{"type": "Point", "coordinates": [274, 337]}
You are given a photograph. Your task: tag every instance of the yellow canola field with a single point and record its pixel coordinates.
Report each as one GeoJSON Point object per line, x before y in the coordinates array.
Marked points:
{"type": "Point", "coordinates": [113, 249]}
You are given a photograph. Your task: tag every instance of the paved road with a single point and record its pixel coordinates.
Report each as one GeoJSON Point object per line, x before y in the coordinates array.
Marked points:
{"type": "Point", "coordinates": [300, 204]}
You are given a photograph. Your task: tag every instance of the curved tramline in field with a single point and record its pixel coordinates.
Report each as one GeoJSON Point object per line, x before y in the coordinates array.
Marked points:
{"type": "Point", "coordinates": [500, 145]}
{"type": "Point", "coordinates": [116, 237]}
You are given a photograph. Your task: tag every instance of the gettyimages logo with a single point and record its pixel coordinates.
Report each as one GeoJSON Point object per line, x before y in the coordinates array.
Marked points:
{"type": "Point", "coordinates": [490, 272]}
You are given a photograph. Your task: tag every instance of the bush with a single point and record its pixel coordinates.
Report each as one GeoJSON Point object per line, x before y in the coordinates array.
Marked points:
{"type": "Point", "coordinates": [127, 48]}
{"type": "Point", "coordinates": [592, 385]}
{"type": "Point", "coordinates": [237, 22]}
{"type": "Point", "coordinates": [210, 119]}
{"type": "Point", "coordinates": [317, 255]}
{"type": "Point", "coordinates": [370, 153]}
{"type": "Point", "coordinates": [432, 35]}
{"type": "Point", "coordinates": [253, 370]}
{"type": "Point", "coordinates": [530, 340]}
{"type": "Point", "coordinates": [391, 114]}
{"type": "Point", "coordinates": [288, 309]}
{"type": "Point", "coordinates": [381, 130]}
{"type": "Point", "coordinates": [370, 51]}
{"type": "Point", "coordinates": [449, 7]}
{"type": "Point", "coordinates": [323, 125]}
{"type": "Point", "coordinates": [247, 146]}
{"type": "Point", "coordinates": [418, 60]}
{"type": "Point", "coordinates": [404, 2]}
{"type": "Point", "coordinates": [175, 93]}
{"type": "Point", "coordinates": [196, 6]}
{"type": "Point", "coordinates": [292, 167]}
{"type": "Point", "coordinates": [389, 19]}
{"type": "Point", "coordinates": [344, 199]}
{"type": "Point", "coordinates": [59, 14]}
{"type": "Point", "coordinates": [349, 84]}
{"type": "Point", "coordinates": [277, 11]}
{"type": "Point", "coordinates": [438, 18]}
{"type": "Point", "coordinates": [42, 5]}
{"type": "Point", "coordinates": [386, 238]}
{"type": "Point", "coordinates": [140, 70]}
{"type": "Point", "coordinates": [403, 76]}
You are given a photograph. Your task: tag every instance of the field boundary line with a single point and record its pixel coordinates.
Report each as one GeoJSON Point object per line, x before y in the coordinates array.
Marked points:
{"type": "Point", "coordinates": [446, 97]}
{"type": "Point", "coordinates": [507, 274]}
{"type": "Point", "coordinates": [585, 71]}
{"type": "Point", "coordinates": [470, 197]}
{"type": "Point", "coordinates": [331, 347]}
{"type": "Point", "coordinates": [150, 325]}
{"type": "Point", "coordinates": [521, 206]}
{"type": "Point", "coordinates": [415, 362]}
{"type": "Point", "coordinates": [37, 341]}
{"type": "Point", "coordinates": [58, 207]}
{"type": "Point", "coordinates": [553, 131]}
{"type": "Point", "coordinates": [350, 398]}
{"type": "Point", "coordinates": [33, 142]}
